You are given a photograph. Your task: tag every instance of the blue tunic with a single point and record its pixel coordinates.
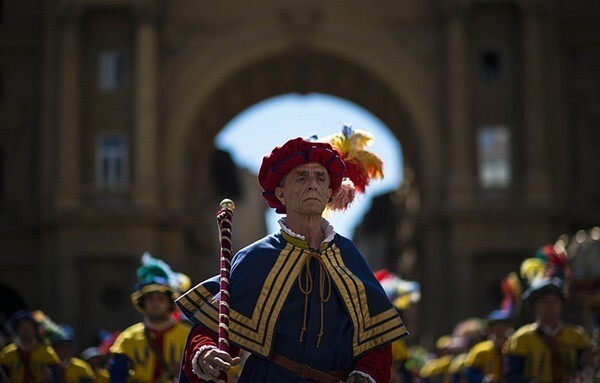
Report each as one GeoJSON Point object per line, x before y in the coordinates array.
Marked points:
{"type": "Point", "coordinates": [268, 307]}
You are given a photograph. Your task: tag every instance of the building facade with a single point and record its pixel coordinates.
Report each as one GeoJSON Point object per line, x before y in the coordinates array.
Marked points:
{"type": "Point", "coordinates": [109, 109]}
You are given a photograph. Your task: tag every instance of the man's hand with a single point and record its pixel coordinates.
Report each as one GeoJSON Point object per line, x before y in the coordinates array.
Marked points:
{"type": "Point", "coordinates": [213, 361]}
{"type": "Point", "coordinates": [357, 379]}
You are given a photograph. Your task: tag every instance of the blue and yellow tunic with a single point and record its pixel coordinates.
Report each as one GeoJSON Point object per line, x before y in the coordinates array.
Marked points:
{"type": "Point", "coordinates": [320, 307]}
{"type": "Point", "coordinates": [484, 359]}
{"type": "Point", "coordinates": [457, 369]}
{"type": "Point", "coordinates": [78, 371]}
{"type": "Point", "coordinates": [42, 362]}
{"type": "Point", "coordinates": [102, 376]}
{"type": "Point", "coordinates": [528, 358]}
{"type": "Point", "coordinates": [436, 370]}
{"type": "Point", "coordinates": [142, 361]}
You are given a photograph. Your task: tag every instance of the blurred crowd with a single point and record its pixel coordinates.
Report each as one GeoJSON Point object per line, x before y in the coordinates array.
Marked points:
{"type": "Point", "coordinates": [503, 347]}
{"type": "Point", "coordinates": [495, 348]}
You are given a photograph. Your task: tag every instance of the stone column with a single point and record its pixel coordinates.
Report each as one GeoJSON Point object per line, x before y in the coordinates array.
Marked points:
{"type": "Point", "coordinates": [69, 112]}
{"type": "Point", "coordinates": [146, 117]}
{"type": "Point", "coordinates": [537, 183]}
{"type": "Point", "coordinates": [459, 121]}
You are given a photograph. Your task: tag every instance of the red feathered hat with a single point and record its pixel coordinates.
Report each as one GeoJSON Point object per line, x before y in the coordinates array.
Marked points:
{"type": "Point", "coordinates": [296, 152]}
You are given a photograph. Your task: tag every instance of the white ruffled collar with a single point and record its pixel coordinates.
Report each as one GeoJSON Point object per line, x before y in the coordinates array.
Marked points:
{"type": "Point", "coordinates": [325, 225]}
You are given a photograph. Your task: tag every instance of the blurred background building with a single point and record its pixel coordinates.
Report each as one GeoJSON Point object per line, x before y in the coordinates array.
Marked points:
{"type": "Point", "coordinates": [109, 109]}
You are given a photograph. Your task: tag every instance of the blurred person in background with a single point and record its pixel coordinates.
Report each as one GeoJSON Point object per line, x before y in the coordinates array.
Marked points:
{"type": "Point", "coordinates": [466, 334]}
{"type": "Point", "coordinates": [73, 370]}
{"type": "Point", "coordinates": [436, 370]}
{"type": "Point", "coordinates": [484, 361]}
{"type": "Point", "coordinates": [28, 359]}
{"type": "Point", "coordinates": [547, 350]}
{"type": "Point", "coordinates": [97, 361]}
{"type": "Point", "coordinates": [151, 350]}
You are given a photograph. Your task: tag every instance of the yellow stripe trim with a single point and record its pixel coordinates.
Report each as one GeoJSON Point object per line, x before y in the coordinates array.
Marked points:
{"type": "Point", "coordinates": [369, 331]}
{"type": "Point", "coordinates": [255, 333]}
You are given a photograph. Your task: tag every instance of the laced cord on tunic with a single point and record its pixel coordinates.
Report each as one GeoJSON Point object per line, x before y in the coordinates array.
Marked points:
{"type": "Point", "coordinates": [307, 289]}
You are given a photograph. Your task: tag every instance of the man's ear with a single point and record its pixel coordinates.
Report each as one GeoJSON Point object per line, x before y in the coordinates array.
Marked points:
{"type": "Point", "coordinates": [279, 195]}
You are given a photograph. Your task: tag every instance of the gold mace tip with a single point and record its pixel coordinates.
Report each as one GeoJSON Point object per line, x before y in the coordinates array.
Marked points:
{"type": "Point", "coordinates": [227, 204]}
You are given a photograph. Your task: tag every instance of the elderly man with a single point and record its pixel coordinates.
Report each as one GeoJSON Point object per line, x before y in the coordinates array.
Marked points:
{"type": "Point", "coordinates": [304, 303]}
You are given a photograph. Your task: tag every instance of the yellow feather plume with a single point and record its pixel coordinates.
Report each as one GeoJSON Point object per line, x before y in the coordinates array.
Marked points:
{"type": "Point", "coordinates": [532, 268]}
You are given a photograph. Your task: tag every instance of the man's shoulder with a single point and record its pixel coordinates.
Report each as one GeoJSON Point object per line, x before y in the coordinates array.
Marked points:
{"type": "Point", "coordinates": [133, 331]}
{"type": "Point", "coordinates": [8, 350]}
{"type": "Point", "coordinates": [81, 365]}
{"type": "Point", "coordinates": [270, 245]}
{"type": "Point", "coordinates": [181, 328]}
{"type": "Point", "coordinates": [574, 330]}
{"type": "Point", "coordinates": [525, 331]}
{"type": "Point", "coordinates": [576, 334]}
{"type": "Point", "coordinates": [483, 347]}
{"type": "Point", "coordinates": [272, 242]}
{"type": "Point", "coordinates": [127, 338]}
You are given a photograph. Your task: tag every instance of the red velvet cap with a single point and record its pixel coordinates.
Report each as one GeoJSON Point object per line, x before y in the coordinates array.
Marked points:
{"type": "Point", "coordinates": [296, 152]}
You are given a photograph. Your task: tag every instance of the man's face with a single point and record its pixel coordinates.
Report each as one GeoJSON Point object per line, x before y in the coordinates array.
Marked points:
{"type": "Point", "coordinates": [157, 306]}
{"type": "Point", "coordinates": [548, 307]}
{"type": "Point", "coordinates": [305, 190]}
{"type": "Point", "coordinates": [26, 330]}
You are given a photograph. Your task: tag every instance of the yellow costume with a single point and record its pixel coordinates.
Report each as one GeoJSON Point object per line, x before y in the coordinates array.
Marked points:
{"type": "Point", "coordinates": [78, 371]}
{"type": "Point", "coordinates": [484, 359]}
{"type": "Point", "coordinates": [456, 369]}
{"type": "Point", "coordinates": [132, 344]}
{"type": "Point", "coordinates": [436, 369]}
{"type": "Point", "coordinates": [527, 346]}
{"type": "Point", "coordinates": [399, 351]}
{"type": "Point", "coordinates": [40, 359]}
{"type": "Point", "coordinates": [102, 376]}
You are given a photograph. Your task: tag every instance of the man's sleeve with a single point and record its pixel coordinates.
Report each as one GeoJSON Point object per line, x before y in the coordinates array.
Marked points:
{"type": "Point", "coordinates": [52, 361]}
{"type": "Point", "coordinates": [3, 367]}
{"type": "Point", "coordinates": [198, 338]}
{"type": "Point", "coordinates": [89, 374]}
{"type": "Point", "coordinates": [377, 364]}
{"type": "Point", "coordinates": [50, 357]}
{"type": "Point", "coordinates": [584, 346]}
{"type": "Point", "coordinates": [514, 361]}
{"type": "Point", "coordinates": [473, 365]}
{"type": "Point", "coordinates": [118, 366]}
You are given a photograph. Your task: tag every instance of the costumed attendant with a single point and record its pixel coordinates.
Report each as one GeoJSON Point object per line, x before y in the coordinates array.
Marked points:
{"type": "Point", "coordinates": [150, 351]}
{"type": "Point", "coordinates": [303, 301]}
{"type": "Point", "coordinates": [73, 370]}
{"type": "Point", "coordinates": [548, 350]}
{"type": "Point", "coordinates": [484, 361]}
{"type": "Point", "coordinates": [402, 294]}
{"type": "Point", "coordinates": [95, 358]}
{"type": "Point", "coordinates": [466, 334]}
{"type": "Point", "coordinates": [436, 370]}
{"type": "Point", "coordinates": [28, 360]}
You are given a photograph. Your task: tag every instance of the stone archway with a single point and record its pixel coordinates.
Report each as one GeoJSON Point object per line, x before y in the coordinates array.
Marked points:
{"type": "Point", "coordinates": [391, 86]}
{"type": "Point", "coordinates": [395, 87]}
